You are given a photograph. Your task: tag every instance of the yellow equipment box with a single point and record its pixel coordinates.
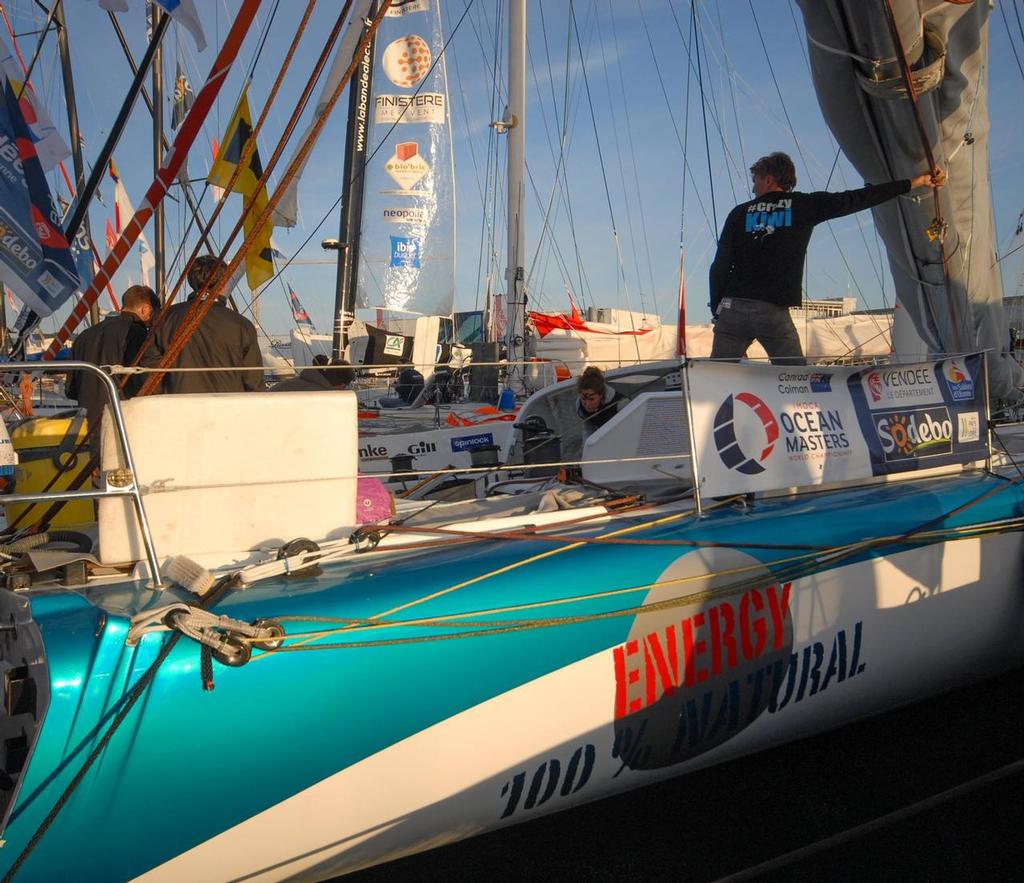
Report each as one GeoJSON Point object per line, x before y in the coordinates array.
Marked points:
{"type": "Point", "coordinates": [47, 461]}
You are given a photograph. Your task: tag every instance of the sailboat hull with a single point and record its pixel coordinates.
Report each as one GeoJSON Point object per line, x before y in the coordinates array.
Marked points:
{"type": "Point", "coordinates": [590, 669]}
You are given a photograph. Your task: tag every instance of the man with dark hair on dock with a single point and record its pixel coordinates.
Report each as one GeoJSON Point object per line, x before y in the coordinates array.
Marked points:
{"type": "Point", "coordinates": [114, 341]}
{"type": "Point", "coordinates": [755, 277]}
{"type": "Point", "coordinates": [224, 339]}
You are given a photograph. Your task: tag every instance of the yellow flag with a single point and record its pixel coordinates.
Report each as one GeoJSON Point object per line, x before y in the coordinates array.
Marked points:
{"type": "Point", "coordinates": [259, 266]}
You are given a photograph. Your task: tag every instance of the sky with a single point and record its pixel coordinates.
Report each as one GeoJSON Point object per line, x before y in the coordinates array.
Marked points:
{"type": "Point", "coordinates": [629, 79]}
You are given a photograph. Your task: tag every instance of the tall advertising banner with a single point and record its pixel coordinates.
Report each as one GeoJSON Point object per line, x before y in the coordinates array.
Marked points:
{"type": "Point", "coordinates": [763, 427]}
{"type": "Point", "coordinates": [408, 227]}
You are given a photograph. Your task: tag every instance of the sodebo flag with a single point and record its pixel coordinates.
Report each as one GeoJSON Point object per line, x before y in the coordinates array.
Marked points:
{"type": "Point", "coordinates": [35, 257]}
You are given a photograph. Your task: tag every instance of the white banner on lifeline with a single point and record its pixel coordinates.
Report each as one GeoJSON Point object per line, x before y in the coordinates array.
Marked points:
{"type": "Point", "coordinates": [767, 427]}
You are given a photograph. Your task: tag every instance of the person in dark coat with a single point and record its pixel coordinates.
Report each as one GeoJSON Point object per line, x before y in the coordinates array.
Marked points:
{"type": "Point", "coordinates": [114, 341]}
{"type": "Point", "coordinates": [224, 339]}
{"type": "Point", "coordinates": [598, 402]}
{"type": "Point", "coordinates": [337, 374]}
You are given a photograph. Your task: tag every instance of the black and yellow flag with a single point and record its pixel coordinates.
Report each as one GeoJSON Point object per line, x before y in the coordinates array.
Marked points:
{"type": "Point", "coordinates": [259, 264]}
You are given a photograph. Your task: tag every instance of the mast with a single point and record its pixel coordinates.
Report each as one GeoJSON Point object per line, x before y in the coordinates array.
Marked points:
{"type": "Point", "coordinates": [356, 142]}
{"type": "Point", "coordinates": [515, 121]}
{"type": "Point", "coordinates": [73, 131]}
{"type": "Point", "coordinates": [158, 151]}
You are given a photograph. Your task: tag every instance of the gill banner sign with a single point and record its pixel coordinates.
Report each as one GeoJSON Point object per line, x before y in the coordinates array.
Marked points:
{"type": "Point", "coordinates": [766, 427]}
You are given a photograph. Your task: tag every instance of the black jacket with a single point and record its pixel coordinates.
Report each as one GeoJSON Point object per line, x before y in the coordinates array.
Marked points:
{"type": "Point", "coordinates": [224, 339]}
{"type": "Point", "coordinates": [114, 341]}
{"type": "Point", "coordinates": [307, 380]}
{"type": "Point", "coordinates": [764, 241]}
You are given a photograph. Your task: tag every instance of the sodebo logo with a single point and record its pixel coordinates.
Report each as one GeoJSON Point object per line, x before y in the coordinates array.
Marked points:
{"type": "Point", "coordinates": [906, 435]}
{"type": "Point", "coordinates": [729, 417]}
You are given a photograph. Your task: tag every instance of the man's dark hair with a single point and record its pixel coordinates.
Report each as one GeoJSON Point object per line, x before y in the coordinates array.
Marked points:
{"type": "Point", "coordinates": [592, 379]}
{"type": "Point", "coordinates": [779, 166]}
{"type": "Point", "coordinates": [204, 268]}
{"type": "Point", "coordinates": [139, 296]}
{"type": "Point", "coordinates": [319, 360]}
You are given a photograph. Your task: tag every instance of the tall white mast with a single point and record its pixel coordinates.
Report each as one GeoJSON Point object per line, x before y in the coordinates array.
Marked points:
{"type": "Point", "coordinates": [515, 119]}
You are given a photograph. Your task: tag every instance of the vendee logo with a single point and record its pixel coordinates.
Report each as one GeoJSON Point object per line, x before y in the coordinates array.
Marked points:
{"type": "Point", "coordinates": [908, 434]}
{"type": "Point", "coordinates": [727, 444]}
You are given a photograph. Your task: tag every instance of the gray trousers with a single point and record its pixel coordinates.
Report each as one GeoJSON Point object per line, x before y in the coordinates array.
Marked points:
{"type": "Point", "coordinates": [741, 320]}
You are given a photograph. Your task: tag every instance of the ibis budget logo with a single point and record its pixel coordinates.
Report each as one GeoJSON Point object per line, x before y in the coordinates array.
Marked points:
{"type": "Point", "coordinates": [745, 433]}
{"type": "Point", "coordinates": [405, 252]}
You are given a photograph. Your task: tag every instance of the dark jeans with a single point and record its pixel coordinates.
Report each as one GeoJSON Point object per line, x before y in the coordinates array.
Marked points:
{"type": "Point", "coordinates": [741, 320]}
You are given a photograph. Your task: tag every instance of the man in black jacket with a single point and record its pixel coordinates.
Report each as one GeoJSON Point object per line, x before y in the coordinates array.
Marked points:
{"type": "Point", "coordinates": [224, 339]}
{"type": "Point", "coordinates": [755, 277]}
{"type": "Point", "coordinates": [114, 341]}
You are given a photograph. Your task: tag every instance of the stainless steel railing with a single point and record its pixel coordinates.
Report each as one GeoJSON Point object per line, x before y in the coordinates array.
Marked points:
{"type": "Point", "coordinates": [127, 482]}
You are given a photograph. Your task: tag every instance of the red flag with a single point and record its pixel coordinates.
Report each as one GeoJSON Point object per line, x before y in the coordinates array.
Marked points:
{"type": "Point", "coordinates": [575, 314]}
{"type": "Point", "coordinates": [111, 237]}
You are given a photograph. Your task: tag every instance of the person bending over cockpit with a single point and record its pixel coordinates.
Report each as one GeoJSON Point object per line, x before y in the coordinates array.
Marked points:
{"type": "Point", "coordinates": [598, 402]}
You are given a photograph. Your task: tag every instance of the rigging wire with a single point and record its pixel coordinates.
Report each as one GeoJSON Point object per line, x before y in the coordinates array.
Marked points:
{"type": "Point", "coordinates": [557, 187]}
{"type": "Point", "coordinates": [604, 176]}
{"type": "Point", "coordinates": [620, 164]}
{"type": "Point", "coordinates": [1006, 24]}
{"type": "Point", "coordinates": [703, 110]}
{"type": "Point", "coordinates": [710, 106]}
{"type": "Point", "coordinates": [262, 42]}
{"type": "Point", "coordinates": [680, 139]}
{"type": "Point", "coordinates": [645, 239]}
{"type": "Point", "coordinates": [490, 184]}
{"type": "Point", "coordinates": [731, 70]}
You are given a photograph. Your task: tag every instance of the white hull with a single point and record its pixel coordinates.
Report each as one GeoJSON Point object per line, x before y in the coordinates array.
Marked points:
{"type": "Point", "coordinates": [858, 640]}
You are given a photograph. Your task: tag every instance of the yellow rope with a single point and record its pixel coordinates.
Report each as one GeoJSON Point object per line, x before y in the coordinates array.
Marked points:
{"type": "Point", "coordinates": [372, 623]}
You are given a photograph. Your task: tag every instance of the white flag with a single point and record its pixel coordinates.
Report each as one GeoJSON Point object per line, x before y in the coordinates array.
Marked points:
{"type": "Point", "coordinates": [182, 11]}
{"type": "Point", "coordinates": [123, 213]}
{"type": "Point", "coordinates": [146, 262]}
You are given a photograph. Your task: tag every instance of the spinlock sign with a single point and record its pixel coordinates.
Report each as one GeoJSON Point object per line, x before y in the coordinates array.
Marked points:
{"type": "Point", "coordinates": [763, 427]}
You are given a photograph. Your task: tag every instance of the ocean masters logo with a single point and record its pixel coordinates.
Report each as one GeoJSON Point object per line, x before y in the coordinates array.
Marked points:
{"type": "Point", "coordinates": [751, 420]}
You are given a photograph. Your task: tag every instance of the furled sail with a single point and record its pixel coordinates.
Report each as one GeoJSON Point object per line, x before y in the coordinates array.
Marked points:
{"type": "Point", "coordinates": [407, 242]}
{"type": "Point", "coordinates": [946, 278]}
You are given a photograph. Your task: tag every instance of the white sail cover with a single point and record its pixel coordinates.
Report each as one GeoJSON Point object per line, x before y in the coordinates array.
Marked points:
{"type": "Point", "coordinates": [855, 337]}
{"type": "Point", "coordinates": [408, 229]}
{"type": "Point", "coordinates": [857, 77]}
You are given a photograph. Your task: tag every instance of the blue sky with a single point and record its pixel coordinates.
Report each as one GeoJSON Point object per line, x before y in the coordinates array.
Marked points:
{"type": "Point", "coordinates": [636, 68]}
